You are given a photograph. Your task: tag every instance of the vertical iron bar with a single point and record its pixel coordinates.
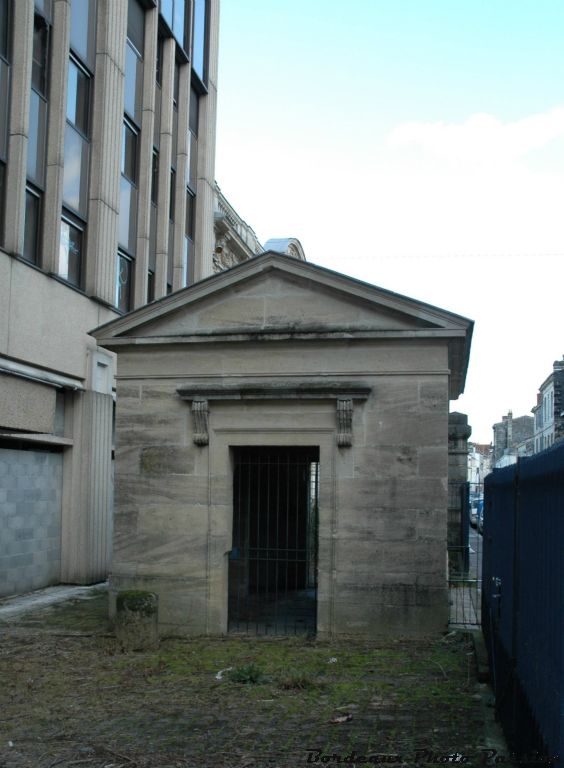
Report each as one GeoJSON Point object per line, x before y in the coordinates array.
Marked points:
{"type": "Point", "coordinates": [257, 548]}
{"type": "Point", "coordinates": [286, 542]}
{"type": "Point", "coordinates": [296, 539]}
{"type": "Point", "coordinates": [267, 542]}
{"type": "Point", "coordinates": [277, 544]}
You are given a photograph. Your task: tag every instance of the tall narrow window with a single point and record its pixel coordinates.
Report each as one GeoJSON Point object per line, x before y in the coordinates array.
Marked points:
{"type": "Point", "coordinates": [193, 125]}
{"type": "Point", "coordinates": [5, 23]}
{"type": "Point", "coordinates": [172, 206]}
{"type": "Point", "coordinates": [77, 140]}
{"type": "Point", "coordinates": [175, 13]}
{"type": "Point", "coordinates": [127, 233]}
{"type": "Point", "coordinates": [199, 53]}
{"type": "Point", "coordinates": [71, 252]}
{"type": "Point", "coordinates": [124, 279]}
{"type": "Point", "coordinates": [188, 264]}
{"type": "Point", "coordinates": [191, 189]}
{"type": "Point", "coordinates": [38, 106]}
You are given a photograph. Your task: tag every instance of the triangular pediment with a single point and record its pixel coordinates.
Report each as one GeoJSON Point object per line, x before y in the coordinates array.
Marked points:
{"type": "Point", "coordinates": [275, 296]}
{"type": "Point", "coordinates": [278, 294]}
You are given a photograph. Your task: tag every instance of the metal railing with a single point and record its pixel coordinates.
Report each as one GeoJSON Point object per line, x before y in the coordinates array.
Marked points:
{"type": "Point", "coordinates": [523, 605]}
{"type": "Point", "coordinates": [465, 561]}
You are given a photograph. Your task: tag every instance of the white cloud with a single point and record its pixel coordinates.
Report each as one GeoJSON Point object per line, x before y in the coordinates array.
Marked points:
{"type": "Point", "coordinates": [482, 139]}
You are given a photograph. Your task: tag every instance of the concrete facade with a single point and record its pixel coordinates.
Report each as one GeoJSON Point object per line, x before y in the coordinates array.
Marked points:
{"type": "Point", "coordinates": [93, 223]}
{"type": "Point", "coordinates": [277, 352]}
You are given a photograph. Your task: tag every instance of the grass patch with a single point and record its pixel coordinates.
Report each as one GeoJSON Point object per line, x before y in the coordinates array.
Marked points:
{"type": "Point", "coordinates": [295, 680]}
{"type": "Point", "coordinates": [248, 674]}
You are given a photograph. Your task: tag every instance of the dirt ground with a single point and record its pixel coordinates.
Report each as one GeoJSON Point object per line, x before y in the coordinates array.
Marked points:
{"type": "Point", "coordinates": [69, 697]}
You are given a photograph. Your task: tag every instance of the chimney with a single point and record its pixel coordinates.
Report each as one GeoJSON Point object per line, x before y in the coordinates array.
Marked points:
{"type": "Point", "coordinates": [510, 429]}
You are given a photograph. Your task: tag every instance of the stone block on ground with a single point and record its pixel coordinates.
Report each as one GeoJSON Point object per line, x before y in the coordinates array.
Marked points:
{"type": "Point", "coordinates": [137, 620]}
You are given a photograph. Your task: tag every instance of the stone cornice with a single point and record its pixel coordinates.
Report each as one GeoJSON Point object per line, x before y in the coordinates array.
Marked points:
{"type": "Point", "coordinates": [334, 390]}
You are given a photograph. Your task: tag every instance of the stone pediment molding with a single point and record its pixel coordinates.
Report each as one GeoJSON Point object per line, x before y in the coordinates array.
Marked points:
{"type": "Point", "coordinates": [344, 394]}
{"type": "Point", "coordinates": [275, 297]}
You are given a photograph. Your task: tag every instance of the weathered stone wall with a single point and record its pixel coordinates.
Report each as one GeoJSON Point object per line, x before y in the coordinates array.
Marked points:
{"type": "Point", "coordinates": [383, 501]}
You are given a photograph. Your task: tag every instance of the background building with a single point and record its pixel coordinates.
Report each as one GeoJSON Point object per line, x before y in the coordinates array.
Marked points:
{"type": "Point", "coordinates": [236, 241]}
{"type": "Point", "coordinates": [479, 462]}
{"type": "Point", "coordinates": [548, 413]}
{"type": "Point", "coordinates": [107, 141]}
{"type": "Point", "coordinates": [513, 437]}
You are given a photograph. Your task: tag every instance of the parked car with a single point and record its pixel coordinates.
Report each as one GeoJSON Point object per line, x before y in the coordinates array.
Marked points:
{"type": "Point", "coordinates": [480, 516]}
{"type": "Point", "coordinates": [474, 513]}
{"type": "Point", "coordinates": [474, 505]}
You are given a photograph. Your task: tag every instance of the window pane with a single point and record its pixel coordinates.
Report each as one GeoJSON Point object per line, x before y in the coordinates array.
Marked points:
{"type": "Point", "coordinates": [150, 286]}
{"type": "Point", "coordinates": [31, 233]}
{"type": "Point", "coordinates": [167, 11]}
{"type": "Point", "coordinates": [2, 199]}
{"type": "Point", "coordinates": [190, 211]}
{"type": "Point", "coordinates": [153, 239]}
{"type": "Point", "coordinates": [155, 179]}
{"type": "Point", "coordinates": [199, 40]}
{"type": "Point", "coordinates": [129, 154]}
{"type": "Point", "coordinates": [170, 256]}
{"type": "Point", "coordinates": [157, 127]}
{"type": "Point", "coordinates": [174, 149]}
{"type": "Point", "coordinates": [136, 25]}
{"type": "Point", "coordinates": [188, 259]}
{"type": "Point", "coordinates": [40, 61]}
{"type": "Point", "coordinates": [127, 215]}
{"type": "Point", "coordinates": [193, 167]}
{"type": "Point", "coordinates": [78, 98]}
{"type": "Point", "coordinates": [159, 73]}
{"type": "Point", "coordinates": [133, 84]}
{"type": "Point", "coordinates": [70, 253]}
{"type": "Point", "coordinates": [194, 111]}
{"type": "Point", "coordinates": [45, 7]}
{"type": "Point", "coordinates": [123, 283]}
{"type": "Point", "coordinates": [172, 194]}
{"type": "Point", "coordinates": [4, 28]}
{"type": "Point", "coordinates": [4, 90]}
{"type": "Point", "coordinates": [37, 134]}
{"type": "Point", "coordinates": [75, 180]}
{"type": "Point", "coordinates": [83, 29]}
{"type": "Point", "coordinates": [178, 21]}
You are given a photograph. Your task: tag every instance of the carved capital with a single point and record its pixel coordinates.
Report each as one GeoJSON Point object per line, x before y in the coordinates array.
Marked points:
{"type": "Point", "coordinates": [200, 411]}
{"type": "Point", "coordinates": [344, 422]}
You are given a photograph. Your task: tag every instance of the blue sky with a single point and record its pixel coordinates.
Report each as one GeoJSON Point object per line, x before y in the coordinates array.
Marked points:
{"type": "Point", "coordinates": [418, 145]}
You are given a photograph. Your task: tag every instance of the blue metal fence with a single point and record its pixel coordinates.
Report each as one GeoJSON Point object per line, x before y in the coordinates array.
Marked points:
{"type": "Point", "coordinates": [523, 600]}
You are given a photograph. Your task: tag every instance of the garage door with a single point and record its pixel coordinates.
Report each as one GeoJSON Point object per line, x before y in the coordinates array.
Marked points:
{"type": "Point", "coordinates": [30, 519]}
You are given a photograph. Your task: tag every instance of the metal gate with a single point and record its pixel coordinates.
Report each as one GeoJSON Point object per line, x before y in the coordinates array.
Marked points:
{"type": "Point", "coordinates": [273, 562]}
{"type": "Point", "coordinates": [465, 560]}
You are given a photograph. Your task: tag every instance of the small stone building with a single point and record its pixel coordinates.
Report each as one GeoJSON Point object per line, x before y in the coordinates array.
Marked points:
{"type": "Point", "coordinates": [282, 453]}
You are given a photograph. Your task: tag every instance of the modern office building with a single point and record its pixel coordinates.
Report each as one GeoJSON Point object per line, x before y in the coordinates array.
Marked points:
{"type": "Point", "coordinates": [107, 141]}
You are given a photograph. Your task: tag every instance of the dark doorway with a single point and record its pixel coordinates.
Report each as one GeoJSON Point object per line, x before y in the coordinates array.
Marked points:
{"type": "Point", "coordinates": [273, 563]}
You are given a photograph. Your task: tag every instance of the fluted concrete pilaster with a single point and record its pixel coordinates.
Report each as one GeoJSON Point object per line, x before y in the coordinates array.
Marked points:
{"type": "Point", "coordinates": [103, 210]}
{"type": "Point", "coordinates": [146, 159]}
{"type": "Point", "coordinates": [165, 158]}
{"type": "Point", "coordinates": [182, 160]}
{"type": "Point", "coordinates": [14, 220]}
{"type": "Point", "coordinates": [205, 238]}
{"type": "Point", "coordinates": [53, 197]}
